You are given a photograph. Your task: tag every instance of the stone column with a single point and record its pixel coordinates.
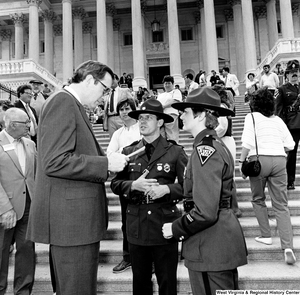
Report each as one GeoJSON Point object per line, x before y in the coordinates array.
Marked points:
{"type": "Point", "coordinates": [18, 20]}
{"type": "Point", "coordinates": [199, 37]}
{"type": "Point", "coordinates": [174, 43]}
{"type": "Point", "coordinates": [87, 40]}
{"type": "Point", "coordinates": [6, 43]}
{"type": "Point", "coordinates": [261, 14]}
{"type": "Point", "coordinates": [58, 49]}
{"type": "Point", "coordinates": [211, 36]}
{"type": "Point", "coordinates": [287, 26]}
{"type": "Point", "coordinates": [110, 12]}
{"type": "Point", "coordinates": [101, 32]}
{"type": "Point", "coordinates": [49, 17]}
{"type": "Point", "coordinates": [249, 35]}
{"type": "Point", "coordinates": [203, 36]}
{"type": "Point", "coordinates": [231, 43]}
{"type": "Point", "coordinates": [272, 22]}
{"type": "Point", "coordinates": [137, 46]}
{"type": "Point", "coordinates": [296, 19]}
{"type": "Point", "coordinates": [67, 40]}
{"type": "Point", "coordinates": [34, 42]}
{"type": "Point", "coordinates": [118, 42]}
{"type": "Point", "coordinates": [78, 14]}
{"type": "Point", "coordinates": [239, 38]}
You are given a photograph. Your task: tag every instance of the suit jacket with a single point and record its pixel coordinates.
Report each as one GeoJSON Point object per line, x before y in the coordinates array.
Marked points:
{"type": "Point", "coordinates": [70, 205]}
{"type": "Point", "coordinates": [232, 82]}
{"type": "Point", "coordinates": [166, 164]}
{"type": "Point", "coordinates": [20, 105]}
{"type": "Point", "coordinates": [285, 97]}
{"type": "Point", "coordinates": [213, 239]}
{"type": "Point", "coordinates": [13, 181]}
{"type": "Point", "coordinates": [120, 93]}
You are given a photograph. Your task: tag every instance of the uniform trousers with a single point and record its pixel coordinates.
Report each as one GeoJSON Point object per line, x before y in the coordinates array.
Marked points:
{"type": "Point", "coordinates": [165, 258]}
{"type": "Point", "coordinates": [124, 203]}
{"type": "Point", "coordinates": [24, 257]}
{"type": "Point", "coordinates": [292, 156]}
{"type": "Point", "coordinates": [273, 173]}
{"type": "Point", "coordinates": [113, 124]}
{"type": "Point", "coordinates": [170, 131]}
{"type": "Point", "coordinates": [76, 269]}
{"type": "Point", "coordinates": [206, 283]}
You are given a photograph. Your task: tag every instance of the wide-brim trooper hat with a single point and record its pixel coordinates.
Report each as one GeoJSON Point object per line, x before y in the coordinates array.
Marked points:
{"type": "Point", "coordinates": [292, 66]}
{"type": "Point", "coordinates": [203, 97]}
{"type": "Point", "coordinates": [151, 106]}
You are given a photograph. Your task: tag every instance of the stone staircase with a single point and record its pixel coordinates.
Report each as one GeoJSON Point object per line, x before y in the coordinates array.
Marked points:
{"type": "Point", "coordinates": [265, 270]}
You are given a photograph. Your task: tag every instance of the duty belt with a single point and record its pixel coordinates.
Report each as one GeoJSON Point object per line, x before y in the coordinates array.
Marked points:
{"type": "Point", "coordinates": [138, 198]}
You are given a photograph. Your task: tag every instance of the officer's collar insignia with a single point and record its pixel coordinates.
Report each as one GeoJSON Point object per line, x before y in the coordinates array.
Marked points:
{"type": "Point", "coordinates": [159, 167]}
{"type": "Point", "coordinates": [167, 168]}
{"type": "Point", "coordinates": [205, 152]}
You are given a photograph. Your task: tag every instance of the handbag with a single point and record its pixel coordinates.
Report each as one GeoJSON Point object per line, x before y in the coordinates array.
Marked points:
{"type": "Point", "coordinates": [252, 168]}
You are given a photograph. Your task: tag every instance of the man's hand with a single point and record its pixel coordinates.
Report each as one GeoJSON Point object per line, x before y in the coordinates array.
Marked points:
{"type": "Point", "coordinates": [142, 184]}
{"type": "Point", "coordinates": [9, 219]}
{"type": "Point", "coordinates": [117, 162]}
{"type": "Point", "coordinates": [157, 191]}
{"type": "Point", "coordinates": [167, 230]}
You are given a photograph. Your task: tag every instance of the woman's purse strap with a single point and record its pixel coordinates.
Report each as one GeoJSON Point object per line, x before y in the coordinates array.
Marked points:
{"type": "Point", "coordinates": [255, 136]}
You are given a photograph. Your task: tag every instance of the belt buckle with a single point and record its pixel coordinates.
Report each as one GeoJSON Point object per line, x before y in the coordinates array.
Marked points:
{"type": "Point", "coordinates": [148, 200]}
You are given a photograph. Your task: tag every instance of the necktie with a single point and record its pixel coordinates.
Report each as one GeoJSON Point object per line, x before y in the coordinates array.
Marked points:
{"type": "Point", "coordinates": [33, 126]}
{"type": "Point", "coordinates": [35, 96]}
{"type": "Point", "coordinates": [149, 150]}
{"type": "Point", "coordinates": [111, 102]}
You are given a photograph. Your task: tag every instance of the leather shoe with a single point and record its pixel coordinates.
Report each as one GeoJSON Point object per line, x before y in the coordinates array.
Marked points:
{"type": "Point", "coordinates": [290, 186]}
{"type": "Point", "coordinates": [289, 256]}
{"type": "Point", "coordinates": [122, 266]}
{"type": "Point", "coordinates": [267, 241]}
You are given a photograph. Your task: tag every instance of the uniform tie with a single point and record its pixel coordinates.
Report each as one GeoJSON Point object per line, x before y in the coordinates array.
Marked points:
{"type": "Point", "coordinates": [149, 148]}
{"type": "Point", "coordinates": [111, 102]}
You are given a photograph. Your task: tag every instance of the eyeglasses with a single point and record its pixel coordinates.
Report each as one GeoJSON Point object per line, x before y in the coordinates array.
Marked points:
{"type": "Point", "coordinates": [146, 118]}
{"type": "Point", "coordinates": [106, 89]}
{"type": "Point", "coordinates": [28, 93]}
{"type": "Point", "coordinates": [28, 122]}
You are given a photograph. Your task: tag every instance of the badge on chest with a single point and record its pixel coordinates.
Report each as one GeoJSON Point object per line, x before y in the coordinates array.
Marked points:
{"type": "Point", "coordinates": [163, 167]}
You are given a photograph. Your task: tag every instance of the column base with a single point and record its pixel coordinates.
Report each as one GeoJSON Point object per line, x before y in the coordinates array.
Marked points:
{"type": "Point", "coordinates": [139, 82]}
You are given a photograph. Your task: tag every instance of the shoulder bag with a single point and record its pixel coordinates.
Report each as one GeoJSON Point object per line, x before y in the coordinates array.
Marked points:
{"type": "Point", "coordinates": [252, 168]}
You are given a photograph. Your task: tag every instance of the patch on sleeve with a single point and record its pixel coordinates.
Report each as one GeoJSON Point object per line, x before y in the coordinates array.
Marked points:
{"type": "Point", "coordinates": [205, 152]}
{"type": "Point", "coordinates": [189, 218]}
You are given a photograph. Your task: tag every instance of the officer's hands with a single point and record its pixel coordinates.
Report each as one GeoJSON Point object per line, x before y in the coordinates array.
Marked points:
{"type": "Point", "coordinates": [142, 184]}
{"type": "Point", "coordinates": [167, 230]}
{"type": "Point", "coordinates": [156, 192]}
{"type": "Point", "coordinates": [9, 219]}
{"type": "Point", "coordinates": [117, 162]}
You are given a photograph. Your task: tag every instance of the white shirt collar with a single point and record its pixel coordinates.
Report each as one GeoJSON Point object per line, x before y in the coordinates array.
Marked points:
{"type": "Point", "coordinates": [73, 92]}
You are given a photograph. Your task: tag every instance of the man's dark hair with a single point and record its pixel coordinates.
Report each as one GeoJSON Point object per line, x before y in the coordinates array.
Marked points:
{"type": "Point", "coordinates": [190, 76]}
{"type": "Point", "coordinates": [168, 79]}
{"type": "Point", "coordinates": [126, 101]}
{"type": "Point", "coordinates": [226, 69]}
{"type": "Point", "coordinates": [91, 67]}
{"type": "Point", "coordinates": [21, 89]}
{"type": "Point", "coordinates": [262, 101]}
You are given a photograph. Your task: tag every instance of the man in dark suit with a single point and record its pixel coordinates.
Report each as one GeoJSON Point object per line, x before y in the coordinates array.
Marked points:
{"type": "Point", "coordinates": [70, 211]}
{"type": "Point", "coordinates": [152, 200]}
{"type": "Point", "coordinates": [287, 106]}
{"type": "Point", "coordinates": [24, 93]}
{"type": "Point", "coordinates": [17, 173]}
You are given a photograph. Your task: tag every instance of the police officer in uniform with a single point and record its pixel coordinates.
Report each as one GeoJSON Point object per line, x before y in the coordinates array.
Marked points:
{"type": "Point", "coordinates": [213, 241]}
{"type": "Point", "coordinates": [148, 183]}
{"type": "Point", "coordinates": [287, 106]}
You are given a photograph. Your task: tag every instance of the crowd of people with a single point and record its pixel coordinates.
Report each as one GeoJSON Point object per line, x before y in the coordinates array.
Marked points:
{"type": "Point", "coordinates": [53, 170]}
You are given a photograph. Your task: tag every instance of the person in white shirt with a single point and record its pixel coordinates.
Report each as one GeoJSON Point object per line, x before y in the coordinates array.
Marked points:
{"type": "Point", "coordinates": [124, 136]}
{"type": "Point", "coordinates": [269, 79]}
{"type": "Point", "coordinates": [170, 130]}
{"type": "Point", "coordinates": [190, 85]}
{"type": "Point", "coordinates": [230, 80]}
{"type": "Point", "coordinates": [273, 141]}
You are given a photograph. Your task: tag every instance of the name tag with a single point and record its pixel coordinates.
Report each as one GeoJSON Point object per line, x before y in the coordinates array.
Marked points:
{"type": "Point", "coordinates": [9, 147]}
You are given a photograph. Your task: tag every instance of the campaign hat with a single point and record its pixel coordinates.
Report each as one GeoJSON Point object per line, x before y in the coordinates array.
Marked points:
{"type": "Point", "coordinates": [35, 82]}
{"type": "Point", "coordinates": [203, 97]}
{"type": "Point", "coordinates": [151, 106]}
{"type": "Point", "coordinates": [292, 66]}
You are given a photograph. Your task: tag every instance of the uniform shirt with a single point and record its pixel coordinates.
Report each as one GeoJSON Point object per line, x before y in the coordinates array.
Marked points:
{"type": "Point", "coordinates": [123, 137]}
{"type": "Point", "coordinates": [164, 97]}
{"type": "Point", "coordinates": [271, 133]}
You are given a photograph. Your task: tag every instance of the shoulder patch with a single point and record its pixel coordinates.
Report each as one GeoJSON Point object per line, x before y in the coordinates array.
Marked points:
{"type": "Point", "coordinates": [205, 152]}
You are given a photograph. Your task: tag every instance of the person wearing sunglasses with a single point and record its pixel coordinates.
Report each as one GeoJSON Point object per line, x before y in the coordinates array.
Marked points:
{"type": "Point", "coordinates": [69, 210]}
